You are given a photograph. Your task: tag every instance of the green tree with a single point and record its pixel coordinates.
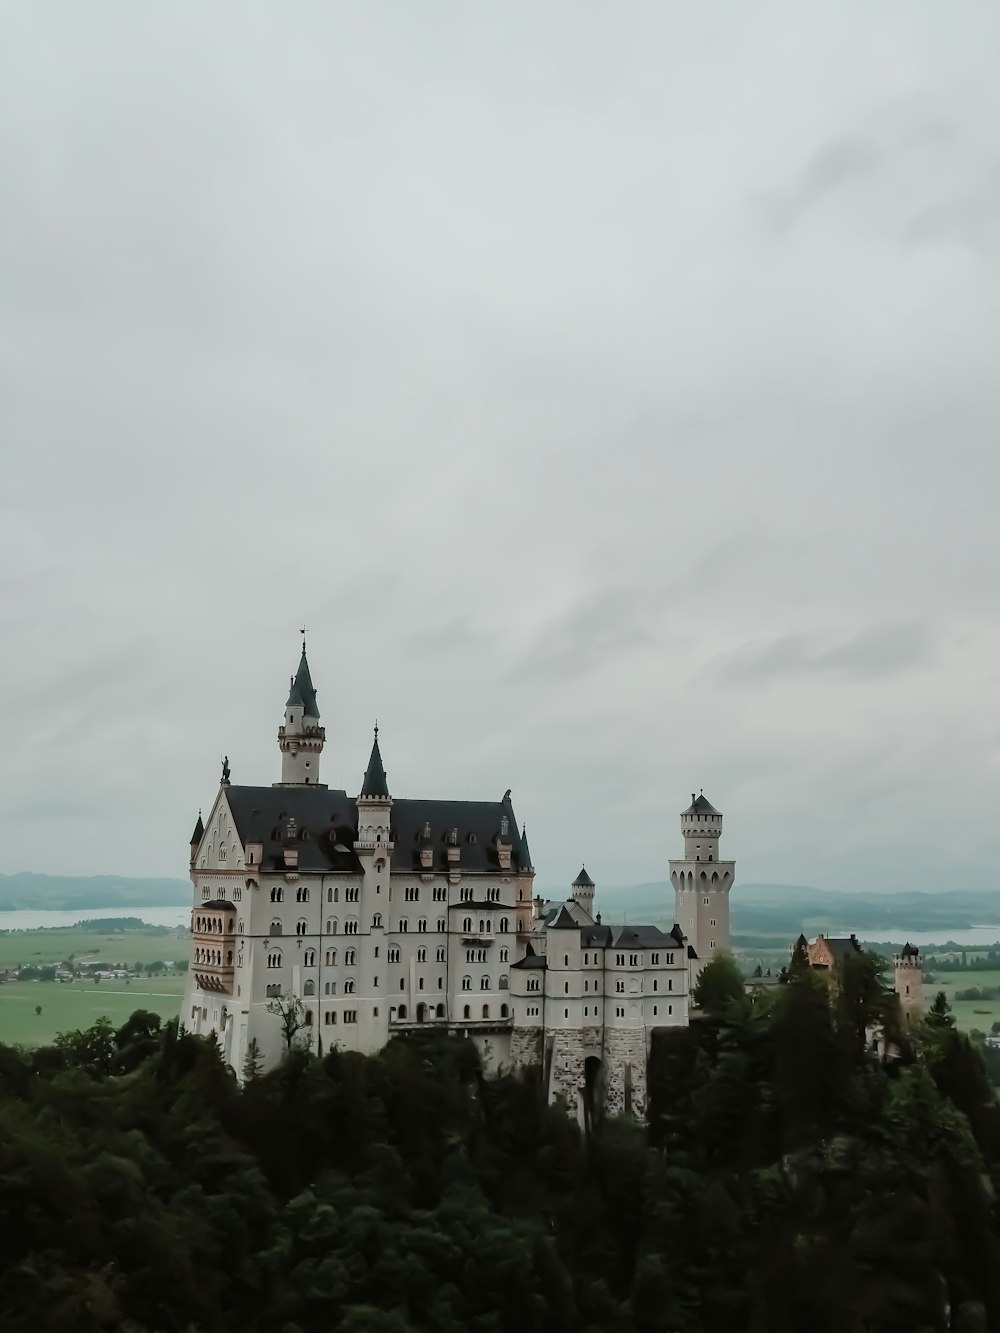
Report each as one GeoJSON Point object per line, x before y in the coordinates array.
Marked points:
{"type": "Point", "coordinates": [719, 986]}
{"type": "Point", "coordinates": [253, 1062]}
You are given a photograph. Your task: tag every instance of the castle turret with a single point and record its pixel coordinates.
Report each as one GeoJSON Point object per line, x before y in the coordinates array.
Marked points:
{"type": "Point", "coordinates": [196, 837]}
{"type": "Point", "coordinates": [702, 881]}
{"type": "Point", "coordinates": [582, 891]}
{"type": "Point", "coordinates": [301, 738]}
{"type": "Point", "coordinates": [374, 804]}
{"type": "Point", "coordinates": [908, 973]}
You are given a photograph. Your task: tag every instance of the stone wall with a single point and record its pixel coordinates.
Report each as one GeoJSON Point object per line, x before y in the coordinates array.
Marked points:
{"type": "Point", "coordinates": [625, 1072]}
{"type": "Point", "coordinates": [565, 1068]}
{"type": "Point", "coordinates": [526, 1047]}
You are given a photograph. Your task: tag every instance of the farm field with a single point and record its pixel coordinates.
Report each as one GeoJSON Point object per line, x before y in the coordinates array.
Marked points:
{"type": "Point", "coordinates": [21, 947]}
{"type": "Point", "coordinates": [969, 1014]}
{"type": "Point", "coordinates": [77, 1004]}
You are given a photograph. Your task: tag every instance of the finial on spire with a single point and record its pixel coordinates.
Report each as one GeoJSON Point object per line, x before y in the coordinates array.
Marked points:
{"type": "Point", "coordinates": [376, 728]}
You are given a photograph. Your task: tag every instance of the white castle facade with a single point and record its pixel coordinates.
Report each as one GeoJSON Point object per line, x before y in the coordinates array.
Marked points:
{"type": "Point", "coordinates": [385, 916]}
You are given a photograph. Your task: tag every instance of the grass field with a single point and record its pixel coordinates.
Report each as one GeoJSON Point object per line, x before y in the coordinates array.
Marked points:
{"type": "Point", "coordinates": [20, 947]}
{"type": "Point", "coordinates": [969, 1014]}
{"type": "Point", "coordinates": [68, 1005]}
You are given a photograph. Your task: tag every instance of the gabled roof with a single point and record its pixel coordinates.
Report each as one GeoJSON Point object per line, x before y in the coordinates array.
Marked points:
{"type": "Point", "coordinates": [199, 832]}
{"type": "Point", "coordinates": [563, 921]}
{"type": "Point", "coordinates": [630, 937]}
{"type": "Point", "coordinates": [910, 950]}
{"type": "Point", "coordinates": [700, 805]}
{"type": "Point", "coordinates": [583, 880]}
{"type": "Point", "coordinates": [375, 783]}
{"type": "Point", "coordinates": [302, 695]}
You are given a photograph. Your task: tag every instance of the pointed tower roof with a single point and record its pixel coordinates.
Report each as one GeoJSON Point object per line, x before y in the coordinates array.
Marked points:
{"type": "Point", "coordinates": [583, 880]}
{"type": "Point", "coordinates": [525, 854]}
{"type": "Point", "coordinates": [302, 695]}
{"type": "Point", "coordinates": [701, 805]}
{"type": "Point", "coordinates": [375, 783]}
{"type": "Point", "coordinates": [199, 832]}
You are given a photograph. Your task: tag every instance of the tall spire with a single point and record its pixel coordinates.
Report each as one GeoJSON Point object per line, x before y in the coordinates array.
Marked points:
{"type": "Point", "coordinates": [375, 783]}
{"type": "Point", "coordinates": [301, 694]}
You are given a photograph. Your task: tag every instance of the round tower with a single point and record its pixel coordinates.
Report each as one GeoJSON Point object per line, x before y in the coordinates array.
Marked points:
{"type": "Point", "coordinates": [908, 974]}
{"type": "Point", "coordinates": [582, 891]}
{"type": "Point", "coordinates": [701, 881]}
{"type": "Point", "coordinates": [301, 739]}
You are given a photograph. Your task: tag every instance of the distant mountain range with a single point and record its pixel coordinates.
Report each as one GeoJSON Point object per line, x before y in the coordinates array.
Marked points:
{"type": "Point", "coordinates": [42, 892]}
{"type": "Point", "coordinates": [780, 910]}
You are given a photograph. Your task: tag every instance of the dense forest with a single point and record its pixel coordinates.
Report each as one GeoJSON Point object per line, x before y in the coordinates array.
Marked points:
{"type": "Point", "coordinates": [789, 1178]}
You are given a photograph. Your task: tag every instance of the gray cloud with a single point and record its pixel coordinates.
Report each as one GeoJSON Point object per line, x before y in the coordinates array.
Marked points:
{"type": "Point", "coordinates": [868, 655]}
{"type": "Point", "coordinates": [450, 333]}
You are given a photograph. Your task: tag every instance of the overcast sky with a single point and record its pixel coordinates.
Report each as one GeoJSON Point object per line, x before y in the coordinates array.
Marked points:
{"type": "Point", "coordinates": [611, 389]}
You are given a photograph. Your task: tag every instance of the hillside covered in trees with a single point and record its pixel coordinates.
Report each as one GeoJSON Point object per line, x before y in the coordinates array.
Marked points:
{"type": "Point", "coordinates": [787, 1180]}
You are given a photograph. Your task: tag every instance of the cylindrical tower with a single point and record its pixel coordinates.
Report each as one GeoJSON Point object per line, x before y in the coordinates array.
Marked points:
{"type": "Point", "coordinates": [582, 891]}
{"type": "Point", "coordinates": [908, 974]}
{"type": "Point", "coordinates": [701, 881]}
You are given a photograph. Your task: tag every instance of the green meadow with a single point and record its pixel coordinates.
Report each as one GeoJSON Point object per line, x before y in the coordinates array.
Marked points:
{"type": "Point", "coordinates": [56, 944]}
{"type": "Point", "coordinates": [77, 1004]}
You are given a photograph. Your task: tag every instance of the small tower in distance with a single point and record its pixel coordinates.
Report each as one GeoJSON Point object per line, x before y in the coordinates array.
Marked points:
{"type": "Point", "coordinates": [301, 739]}
{"type": "Point", "coordinates": [908, 974]}
{"type": "Point", "coordinates": [583, 889]}
{"type": "Point", "coordinates": [702, 882]}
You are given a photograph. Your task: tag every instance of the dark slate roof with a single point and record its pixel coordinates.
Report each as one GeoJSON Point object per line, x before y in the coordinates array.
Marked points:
{"type": "Point", "coordinates": [530, 959]}
{"type": "Point", "coordinates": [563, 921]}
{"type": "Point", "coordinates": [700, 805]}
{"type": "Point", "coordinates": [910, 950]}
{"type": "Point", "coordinates": [630, 937]}
{"type": "Point", "coordinates": [583, 880]}
{"type": "Point", "coordinates": [223, 905]}
{"type": "Point", "coordinates": [199, 831]}
{"type": "Point", "coordinates": [375, 783]}
{"type": "Point", "coordinates": [525, 854]}
{"type": "Point", "coordinates": [843, 948]}
{"type": "Point", "coordinates": [326, 825]}
{"type": "Point", "coordinates": [302, 695]}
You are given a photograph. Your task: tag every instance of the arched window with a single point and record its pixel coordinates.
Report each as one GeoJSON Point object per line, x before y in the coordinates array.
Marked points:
{"type": "Point", "coordinates": [331, 925]}
{"type": "Point", "coordinates": [275, 926]}
{"type": "Point", "coordinates": [484, 983]}
{"type": "Point", "coordinates": [272, 991]}
{"type": "Point", "coordinates": [349, 987]}
{"type": "Point", "coordinates": [467, 924]}
{"type": "Point", "coordinates": [331, 895]}
{"type": "Point", "coordinates": [402, 983]}
{"type": "Point", "coordinates": [351, 927]}
{"type": "Point", "coordinates": [466, 983]}
{"type": "Point", "coordinates": [377, 921]}
{"type": "Point", "coordinates": [309, 958]}
{"type": "Point", "coordinates": [439, 1012]}
{"type": "Point", "coordinates": [504, 1011]}
{"type": "Point", "coordinates": [307, 1020]}
{"type": "Point", "coordinates": [331, 957]}
{"type": "Point", "coordinates": [486, 1011]}
{"type": "Point", "coordinates": [467, 1012]}
{"type": "Point", "coordinates": [277, 894]}
{"type": "Point", "coordinates": [393, 955]}
{"type": "Point", "coordinates": [404, 925]}
{"type": "Point", "coordinates": [350, 957]}
{"type": "Point", "coordinates": [504, 925]}
{"type": "Point", "coordinates": [309, 988]}
{"type": "Point", "coordinates": [302, 894]}
{"type": "Point", "coordinates": [274, 958]}
{"type": "Point", "coordinates": [301, 926]}
{"type": "Point", "coordinates": [401, 1012]}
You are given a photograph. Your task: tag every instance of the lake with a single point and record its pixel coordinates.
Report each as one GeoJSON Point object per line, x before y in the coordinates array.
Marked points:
{"type": "Point", "coordinates": [30, 919]}
{"type": "Point", "coordinates": [973, 937]}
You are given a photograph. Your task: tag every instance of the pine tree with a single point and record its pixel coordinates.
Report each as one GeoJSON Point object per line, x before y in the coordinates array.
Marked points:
{"type": "Point", "coordinates": [253, 1062]}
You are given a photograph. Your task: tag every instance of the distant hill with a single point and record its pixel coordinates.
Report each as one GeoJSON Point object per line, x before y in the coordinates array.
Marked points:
{"type": "Point", "coordinates": [787, 909]}
{"type": "Point", "coordinates": [28, 891]}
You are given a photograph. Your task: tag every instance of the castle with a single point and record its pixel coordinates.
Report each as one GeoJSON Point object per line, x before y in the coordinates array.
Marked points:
{"type": "Point", "coordinates": [385, 915]}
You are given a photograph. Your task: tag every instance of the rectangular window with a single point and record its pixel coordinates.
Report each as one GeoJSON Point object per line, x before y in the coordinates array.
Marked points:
{"type": "Point", "coordinates": [350, 1015]}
